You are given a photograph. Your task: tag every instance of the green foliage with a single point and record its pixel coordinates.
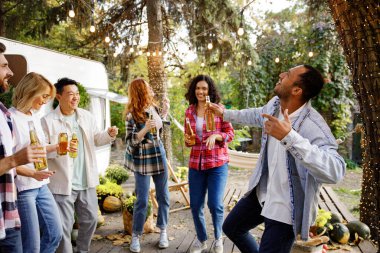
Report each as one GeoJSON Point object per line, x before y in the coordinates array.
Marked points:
{"type": "Point", "coordinates": [239, 133]}
{"type": "Point", "coordinates": [128, 204]}
{"type": "Point", "coordinates": [117, 117]}
{"type": "Point", "coordinates": [102, 179]}
{"type": "Point", "coordinates": [181, 173]}
{"type": "Point", "coordinates": [116, 173]}
{"type": "Point", "coordinates": [109, 189]}
{"type": "Point", "coordinates": [351, 165]}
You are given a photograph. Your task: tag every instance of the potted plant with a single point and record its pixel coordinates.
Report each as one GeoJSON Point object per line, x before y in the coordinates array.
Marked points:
{"type": "Point", "coordinates": [116, 173]}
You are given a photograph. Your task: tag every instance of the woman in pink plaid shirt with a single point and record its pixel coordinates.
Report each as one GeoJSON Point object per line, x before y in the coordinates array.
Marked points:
{"type": "Point", "coordinates": [208, 165]}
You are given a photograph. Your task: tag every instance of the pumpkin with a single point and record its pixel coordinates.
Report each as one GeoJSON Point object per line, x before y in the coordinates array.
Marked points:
{"type": "Point", "coordinates": [360, 228]}
{"type": "Point", "coordinates": [335, 218]}
{"type": "Point", "coordinates": [112, 204]}
{"type": "Point", "coordinates": [340, 233]}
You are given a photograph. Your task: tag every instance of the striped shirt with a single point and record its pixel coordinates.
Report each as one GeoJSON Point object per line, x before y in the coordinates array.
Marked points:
{"type": "Point", "coordinates": [9, 217]}
{"type": "Point", "coordinates": [201, 158]}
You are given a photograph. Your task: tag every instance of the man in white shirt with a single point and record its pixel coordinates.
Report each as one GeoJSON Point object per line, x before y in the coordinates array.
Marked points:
{"type": "Point", "coordinates": [298, 154]}
{"type": "Point", "coordinates": [75, 180]}
{"type": "Point", "coordinates": [10, 233]}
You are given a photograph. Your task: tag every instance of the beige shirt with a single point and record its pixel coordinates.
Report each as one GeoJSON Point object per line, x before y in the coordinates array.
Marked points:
{"type": "Point", "coordinates": [53, 124]}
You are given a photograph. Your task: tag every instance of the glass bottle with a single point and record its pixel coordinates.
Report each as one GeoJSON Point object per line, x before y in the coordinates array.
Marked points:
{"type": "Point", "coordinates": [209, 116]}
{"type": "Point", "coordinates": [62, 144]}
{"type": "Point", "coordinates": [42, 162]}
{"type": "Point", "coordinates": [154, 129]}
{"type": "Point", "coordinates": [74, 144]}
{"type": "Point", "coordinates": [190, 133]}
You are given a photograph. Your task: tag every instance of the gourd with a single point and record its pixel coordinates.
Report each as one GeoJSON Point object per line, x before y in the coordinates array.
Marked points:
{"type": "Point", "coordinates": [340, 233]}
{"type": "Point", "coordinates": [360, 228]}
{"type": "Point", "coordinates": [112, 204]}
{"type": "Point", "coordinates": [335, 218]}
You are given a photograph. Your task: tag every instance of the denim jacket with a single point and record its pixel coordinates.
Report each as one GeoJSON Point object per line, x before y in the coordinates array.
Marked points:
{"type": "Point", "coordinates": [312, 159]}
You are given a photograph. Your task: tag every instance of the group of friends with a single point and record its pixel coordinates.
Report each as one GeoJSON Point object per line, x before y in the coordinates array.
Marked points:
{"type": "Point", "coordinates": [298, 154]}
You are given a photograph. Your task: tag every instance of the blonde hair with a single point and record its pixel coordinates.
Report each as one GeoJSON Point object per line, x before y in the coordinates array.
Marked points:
{"type": "Point", "coordinates": [31, 86]}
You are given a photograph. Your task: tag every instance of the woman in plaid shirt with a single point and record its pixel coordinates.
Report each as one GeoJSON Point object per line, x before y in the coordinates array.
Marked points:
{"type": "Point", "coordinates": [208, 165]}
{"type": "Point", "coordinates": [146, 157]}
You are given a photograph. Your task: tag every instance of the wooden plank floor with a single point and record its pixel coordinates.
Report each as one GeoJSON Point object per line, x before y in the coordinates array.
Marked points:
{"type": "Point", "coordinates": [181, 229]}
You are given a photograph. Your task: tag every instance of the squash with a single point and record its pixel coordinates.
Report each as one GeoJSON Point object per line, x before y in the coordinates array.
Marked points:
{"type": "Point", "coordinates": [112, 204]}
{"type": "Point", "coordinates": [335, 218]}
{"type": "Point", "coordinates": [360, 228]}
{"type": "Point", "coordinates": [340, 233]}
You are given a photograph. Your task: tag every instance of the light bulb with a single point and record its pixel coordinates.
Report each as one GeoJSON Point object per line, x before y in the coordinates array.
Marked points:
{"type": "Point", "coordinates": [115, 54]}
{"type": "Point", "coordinates": [107, 39]}
{"type": "Point", "coordinates": [225, 64]}
{"type": "Point", "coordinates": [148, 53]}
{"type": "Point", "coordinates": [92, 28]}
{"type": "Point", "coordinates": [202, 64]}
{"type": "Point", "coordinates": [249, 62]}
{"type": "Point", "coordinates": [159, 53]}
{"type": "Point", "coordinates": [209, 46]}
{"type": "Point", "coordinates": [71, 13]}
{"type": "Point", "coordinates": [277, 60]}
{"type": "Point", "coordinates": [154, 53]}
{"type": "Point", "coordinates": [140, 52]}
{"type": "Point", "coordinates": [240, 31]}
{"type": "Point", "coordinates": [131, 50]}
{"type": "Point", "coordinates": [311, 54]}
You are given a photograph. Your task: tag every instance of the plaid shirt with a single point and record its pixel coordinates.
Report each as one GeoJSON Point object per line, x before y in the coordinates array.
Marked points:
{"type": "Point", "coordinates": [201, 157]}
{"type": "Point", "coordinates": [9, 217]}
{"type": "Point", "coordinates": [146, 155]}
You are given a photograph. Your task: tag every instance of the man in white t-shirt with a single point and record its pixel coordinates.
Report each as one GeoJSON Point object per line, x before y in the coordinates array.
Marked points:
{"type": "Point", "coordinates": [10, 233]}
{"type": "Point", "coordinates": [75, 179]}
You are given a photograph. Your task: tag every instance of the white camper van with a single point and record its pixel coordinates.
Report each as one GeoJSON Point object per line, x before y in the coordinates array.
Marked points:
{"type": "Point", "coordinates": [24, 58]}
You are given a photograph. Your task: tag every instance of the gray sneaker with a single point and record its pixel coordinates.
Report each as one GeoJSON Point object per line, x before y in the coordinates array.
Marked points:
{"type": "Point", "coordinates": [135, 244]}
{"type": "Point", "coordinates": [164, 242]}
{"type": "Point", "coordinates": [218, 245]}
{"type": "Point", "coordinates": [198, 246]}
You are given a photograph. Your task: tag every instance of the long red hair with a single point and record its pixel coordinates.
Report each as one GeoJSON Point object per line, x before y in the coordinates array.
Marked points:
{"type": "Point", "coordinates": [140, 97]}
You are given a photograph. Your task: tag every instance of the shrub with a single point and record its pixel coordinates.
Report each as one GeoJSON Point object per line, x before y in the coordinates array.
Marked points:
{"type": "Point", "coordinates": [109, 189]}
{"type": "Point", "coordinates": [351, 165]}
{"type": "Point", "coordinates": [116, 173]}
{"type": "Point", "coordinates": [102, 179]}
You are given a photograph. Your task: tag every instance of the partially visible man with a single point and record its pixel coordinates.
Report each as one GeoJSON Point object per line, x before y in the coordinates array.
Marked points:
{"type": "Point", "coordinates": [73, 185]}
{"type": "Point", "coordinates": [10, 233]}
{"type": "Point", "coordinates": [298, 154]}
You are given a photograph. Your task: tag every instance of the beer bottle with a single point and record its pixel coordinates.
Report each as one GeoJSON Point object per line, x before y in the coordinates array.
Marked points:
{"type": "Point", "coordinates": [209, 116]}
{"type": "Point", "coordinates": [42, 163]}
{"type": "Point", "coordinates": [190, 133]}
{"type": "Point", "coordinates": [74, 144]}
{"type": "Point", "coordinates": [154, 129]}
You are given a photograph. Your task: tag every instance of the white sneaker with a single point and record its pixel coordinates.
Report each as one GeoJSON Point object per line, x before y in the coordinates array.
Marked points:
{"type": "Point", "coordinates": [164, 242]}
{"type": "Point", "coordinates": [135, 244]}
{"type": "Point", "coordinates": [198, 246]}
{"type": "Point", "coordinates": [218, 245]}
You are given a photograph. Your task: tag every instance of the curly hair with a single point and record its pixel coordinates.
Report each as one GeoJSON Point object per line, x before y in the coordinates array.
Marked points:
{"type": "Point", "coordinates": [140, 97]}
{"type": "Point", "coordinates": [212, 91]}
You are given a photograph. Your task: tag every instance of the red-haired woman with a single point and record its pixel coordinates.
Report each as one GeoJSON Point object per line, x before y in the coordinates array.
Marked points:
{"type": "Point", "coordinates": [208, 165]}
{"type": "Point", "coordinates": [146, 157]}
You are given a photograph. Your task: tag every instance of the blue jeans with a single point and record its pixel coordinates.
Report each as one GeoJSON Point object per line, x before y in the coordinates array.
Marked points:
{"type": "Point", "coordinates": [41, 227]}
{"type": "Point", "coordinates": [278, 237]}
{"type": "Point", "coordinates": [214, 182]}
{"type": "Point", "coordinates": [12, 242]}
{"type": "Point", "coordinates": [142, 187]}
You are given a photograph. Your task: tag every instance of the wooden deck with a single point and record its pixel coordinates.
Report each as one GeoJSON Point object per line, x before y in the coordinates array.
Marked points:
{"type": "Point", "coordinates": [181, 229]}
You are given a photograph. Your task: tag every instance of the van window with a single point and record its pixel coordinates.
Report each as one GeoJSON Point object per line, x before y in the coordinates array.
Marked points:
{"type": "Point", "coordinates": [98, 109]}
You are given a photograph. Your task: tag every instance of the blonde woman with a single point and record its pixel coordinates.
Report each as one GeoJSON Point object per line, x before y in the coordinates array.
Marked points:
{"type": "Point", "coordinates": [41, 228]}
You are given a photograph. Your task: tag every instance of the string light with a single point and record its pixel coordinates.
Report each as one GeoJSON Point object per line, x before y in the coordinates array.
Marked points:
{"type": "Point", "coordinates": [92, 28]}
{"type": "Point", "coordinates": [154, 53]}
{"type": "Point", "coordinates": [71, 12]}
{"type": "Point", "coordinates": [225, 64]}
{"type": "Point", "coordinates": [131, 50]}
{"type": "Point", "coordinates": [148, 53]}
{"type": "Point", "coordinates": [140, 52]}
{"type": "Point", "coordinates": [115, 54]}
{"type": "Point", "coordinates": [277, 60]}
{"type": "Point", "coordinates": [159, 53]}
{"type": "Point", "coordinates": [209, 46]}
{"type": "Point", "coordinates": [107, 39]}
{"type": "Point", "coordinates": [202, 64]}
{"type": "Point", "coordinates": [240, 31]}
{"type": "Point", "coordinates": [311, 54]}
{"type": "Point", "coordinates": [249, 63]}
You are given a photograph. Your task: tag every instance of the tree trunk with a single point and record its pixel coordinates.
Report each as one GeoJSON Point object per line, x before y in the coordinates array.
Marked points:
{"type": "Point", "coordinates": [357, 22]}
{"type": "Point", "coordinates": [2, 19]}
{"type": "Point", "coordinates": [156, 71]}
